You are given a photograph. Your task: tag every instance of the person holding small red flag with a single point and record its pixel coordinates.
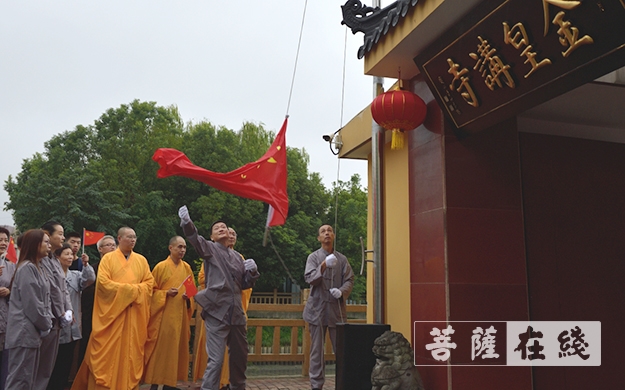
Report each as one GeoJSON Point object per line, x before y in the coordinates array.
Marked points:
{"type": "Point", "coordinates": [7, 269]}
{"type": "Point", "coordinates": [169, 330]}
{"type": "Point", "coordinates": [74, 240]}
{"type": "Point", "coordinates": [7, 248]}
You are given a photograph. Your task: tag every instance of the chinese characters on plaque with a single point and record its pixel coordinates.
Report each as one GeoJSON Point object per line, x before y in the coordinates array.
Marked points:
{"type": "Point", "coordinates": [513, 51]}
{"type": "Point", "coordinates": [493, 69]}
{"type": "Point", "coordinates": [511, 343]}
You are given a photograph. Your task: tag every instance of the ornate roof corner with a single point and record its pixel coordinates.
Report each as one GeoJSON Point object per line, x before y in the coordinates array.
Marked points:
{"type": "Point", "coordinates": [373, 22]}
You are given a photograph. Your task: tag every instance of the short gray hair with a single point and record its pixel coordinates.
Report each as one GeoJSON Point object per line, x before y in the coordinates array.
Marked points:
{"type": "Point", "coordinates": [99, 244]}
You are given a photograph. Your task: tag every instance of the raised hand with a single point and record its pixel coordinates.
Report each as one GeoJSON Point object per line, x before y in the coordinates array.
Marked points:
{"type": "Point", "coordinates": [183, 213]}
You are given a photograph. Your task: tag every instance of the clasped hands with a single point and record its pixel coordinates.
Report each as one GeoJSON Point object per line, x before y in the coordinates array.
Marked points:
{"type": "Point", "coordinates": [172, 292]}
{"type": "Point", "coordinates": [64, 320]}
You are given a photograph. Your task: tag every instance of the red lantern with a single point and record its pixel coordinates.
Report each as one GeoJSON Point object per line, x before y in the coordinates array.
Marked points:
{"type": "Point", "coordinates": [398, 111]}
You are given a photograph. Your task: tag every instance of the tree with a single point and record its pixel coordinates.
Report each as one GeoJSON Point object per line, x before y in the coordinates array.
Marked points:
{"type": "Point", "coordinates": [101, 177]}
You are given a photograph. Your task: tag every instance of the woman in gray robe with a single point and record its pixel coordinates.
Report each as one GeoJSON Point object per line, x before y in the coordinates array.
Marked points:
{"type": "Point", "coordinates": [30, 316]}
{"type": "Point", "coordinates": [70, 335]}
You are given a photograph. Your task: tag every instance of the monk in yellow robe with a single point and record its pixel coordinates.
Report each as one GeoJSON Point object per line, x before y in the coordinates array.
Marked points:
{"type": "Point", "coordinates": [167, 348]}
{"type": "Point", "coordinates": [121, 312]}
{"type": "Point", "coordinates": [199, 364]}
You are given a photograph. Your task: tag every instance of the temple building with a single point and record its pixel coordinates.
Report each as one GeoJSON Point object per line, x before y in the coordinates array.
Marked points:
{"type": "Point", "coordinates": [507, 204]}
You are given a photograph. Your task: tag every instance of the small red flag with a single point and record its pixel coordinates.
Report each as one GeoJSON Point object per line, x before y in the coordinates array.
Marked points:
{"type": "Point", "coordinates": [91, 238]}
{"type": "Point", "coordinates": [189, 285]}
{"type": "Point", "coordinates": [264, 179]}
{"type": "Point", "coordinates": [11, 253]}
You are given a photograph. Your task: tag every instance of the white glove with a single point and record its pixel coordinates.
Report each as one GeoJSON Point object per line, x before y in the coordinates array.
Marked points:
{"type": "Point", "coordinates": [331, 260]}
{"type": "Point", "coordinates": [183, 213]}
{"type": "Point", "coordinates": [336, 293]}
{"type": "Point", "coordinates": [250, 265]}
{"type": "Point", "coordinates": [66, 318]}
{"type": "Point", "coordinates": [44, 333]}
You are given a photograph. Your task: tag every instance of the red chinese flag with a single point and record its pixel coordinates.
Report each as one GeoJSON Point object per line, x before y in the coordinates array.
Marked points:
{"type": "Point", "coordinates": [11, 253]}
{"type": "Point", "coordinates": [91, 238]}
{"type": "Point", "coordinates": [264, 179]}
{"type": "Point", "coordinates": [189, 285]}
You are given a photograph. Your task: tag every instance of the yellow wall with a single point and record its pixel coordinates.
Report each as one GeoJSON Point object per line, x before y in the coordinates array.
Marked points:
{"type": "Point", "coordinates": [397, 243]}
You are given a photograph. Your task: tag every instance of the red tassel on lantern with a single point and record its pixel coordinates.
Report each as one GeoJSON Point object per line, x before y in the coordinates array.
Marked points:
{"type": "Point", "coordinates": [398, 111]}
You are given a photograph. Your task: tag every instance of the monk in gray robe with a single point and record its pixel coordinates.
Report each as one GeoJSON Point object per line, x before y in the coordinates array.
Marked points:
{"type": "Point", "coordinates": [222, 311]}
{"type": "Point", "coordinates": [331, 281]}
{"type": "Point", "coordinates": [60, 303]}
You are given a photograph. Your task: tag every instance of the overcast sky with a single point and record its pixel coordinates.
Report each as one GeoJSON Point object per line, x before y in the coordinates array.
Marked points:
{"type": "Point", "coordinates": [64, 63]}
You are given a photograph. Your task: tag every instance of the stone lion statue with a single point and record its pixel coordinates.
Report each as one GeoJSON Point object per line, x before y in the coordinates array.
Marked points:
{"type": "Point", "coordinates": [394, 368]}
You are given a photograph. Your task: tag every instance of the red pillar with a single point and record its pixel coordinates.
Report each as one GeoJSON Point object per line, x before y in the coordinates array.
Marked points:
{"type": "Point", "coordinates": [467, 239]}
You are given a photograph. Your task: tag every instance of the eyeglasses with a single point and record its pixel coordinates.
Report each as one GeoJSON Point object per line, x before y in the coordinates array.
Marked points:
{"type": "Point", "coordinates": [109, 244]}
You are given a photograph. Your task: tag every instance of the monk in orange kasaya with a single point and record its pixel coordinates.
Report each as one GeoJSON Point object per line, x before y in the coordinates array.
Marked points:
{"type": "Point", "coordinates": [167, 348]}
{"type": "Point", "coordinates": [121, 311]}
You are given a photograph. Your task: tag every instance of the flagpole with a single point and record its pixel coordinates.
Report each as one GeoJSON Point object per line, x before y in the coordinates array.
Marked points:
{"type": "Point", "coordinates": [266, 235]}
{"type": "Point", "coordinates": [185, 279]}
{"type": "Point", "coordinates": [83, 241]}
{"type": "Point", "coordinates": [377, 169]}
{"type": "Point", "coordinates": [270, 212]}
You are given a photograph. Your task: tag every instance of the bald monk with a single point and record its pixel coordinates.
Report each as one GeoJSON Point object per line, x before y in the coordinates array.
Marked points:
{"type": "Point", "coordinates": [121, 311]}
{"type": "Point", "coordinates": [222, 311]}
{"type": "Point", "coordinates": [167, 348]}
{"type": "Point", "coordinates": [199, 364]}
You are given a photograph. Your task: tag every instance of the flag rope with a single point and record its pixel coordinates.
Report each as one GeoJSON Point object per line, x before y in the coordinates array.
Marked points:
{"type": "Point", "coordinates": [338, 160]}
{"type": "Point", "coordinates": [280, 258]}
{"type": "Point", "coordinates": [299, 43]}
